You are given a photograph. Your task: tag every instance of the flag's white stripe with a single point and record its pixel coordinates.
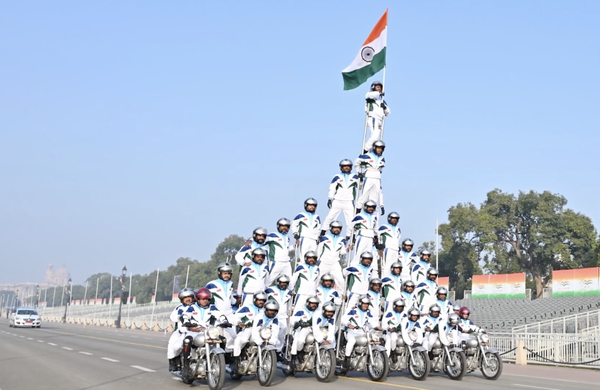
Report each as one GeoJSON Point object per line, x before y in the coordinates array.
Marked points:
{"type": "Point", "coordinates": [377, 45]}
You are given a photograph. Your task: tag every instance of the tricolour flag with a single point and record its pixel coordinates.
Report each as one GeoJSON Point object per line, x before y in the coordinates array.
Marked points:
{"type": "Point", "coordinates": [370, 58]}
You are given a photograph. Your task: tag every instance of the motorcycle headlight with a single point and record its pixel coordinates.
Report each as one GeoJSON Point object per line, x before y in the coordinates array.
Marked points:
{"type": "Point", "coordinates": [199, 340]}
{"type": "Point", "coordinates": [484, 338]}
{"type": "Point", "coordinates": [213, 332]}
{"type": "Point", "coordinates": [413, 335]}
{"type": "Point", "coordinates": [324, 332]}
{"type": "Point", "coordinates": [265, 333]}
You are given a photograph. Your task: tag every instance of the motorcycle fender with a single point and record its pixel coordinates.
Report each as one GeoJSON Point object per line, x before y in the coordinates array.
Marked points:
{"type": "Point", "coordinates": [328, 346]}
{"type": "Point", "coordinates": [456, 349]}
{"type": "Point", "coordinates": [217, 351]}
{"type": "Point", "coordinates": [269, 347]}
{"type": "Point", "coordinates": [492, 350]}
{"type": "Point", "coordinates": [420, 349]}
{"type": "Point", "coordinates": [379, 348]}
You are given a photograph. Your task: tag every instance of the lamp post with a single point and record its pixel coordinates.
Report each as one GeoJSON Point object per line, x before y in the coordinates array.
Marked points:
{"type": "Point", "coordinates": [37, 295]}
{"type": "Point", "coordinates": [68, 292]}
{"type": "Point", "coordinates": [123, 275]}
{"type": "Point", "coordinates": [17, 299]}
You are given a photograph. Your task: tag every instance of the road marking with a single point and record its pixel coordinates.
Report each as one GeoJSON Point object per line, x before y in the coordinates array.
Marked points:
{"type": "Point", "coordinates": [534, 387]}
{"type": "Point", "coordinates": [383, 383]}
{"type": "Point", "coordinates": [40, 341]}
{"type": "Point", "coordinates": [52, 344]}
{"type": "Point", "coordinates": [110, 360]}
{"type": "Point", "coordinates": [67, 348]}
{"type": "Point", "coordinates": [143, 368]}
{"type": "Point", "coordinates": [85, 353]}
{"type": "Point", "coordinates": [105, 339]}
{"type": "Point", "coordinates": [546, 378]}
{"type": "Point", "coordinates": [22, 337]}
{"type": "Point", "coordinates": [29, 338]}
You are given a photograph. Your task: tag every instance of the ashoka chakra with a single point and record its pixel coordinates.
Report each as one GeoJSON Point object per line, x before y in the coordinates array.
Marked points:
{"type": "Point", "coordinates": [367, 53]}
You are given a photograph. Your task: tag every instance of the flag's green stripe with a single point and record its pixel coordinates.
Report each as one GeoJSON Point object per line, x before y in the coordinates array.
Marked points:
{"type": "Point", "coordinates": [357, 77]}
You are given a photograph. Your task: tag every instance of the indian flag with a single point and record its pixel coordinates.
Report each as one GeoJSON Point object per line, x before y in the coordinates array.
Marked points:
{"type": "Point", "coordinates": [370, 58]}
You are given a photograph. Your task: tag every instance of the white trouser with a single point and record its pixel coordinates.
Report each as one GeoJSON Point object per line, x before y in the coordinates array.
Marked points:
{"type": "Point", "coordinates": [351, 339]}
{"type": "Point", "coordinates": [375, 125]}
{"type": "Point", "coordinates": [333, 268]}
{"type": "Point", "coordinates": [280, 268]}
{"type": "Point", "coordinates": [337, 207]}
{"type": "Point", "coordinates": [299, 339]}
{"type": "Point", "coordinates": [391, 339]}
{"type": "Point", "coordinates": [246, 298]}
{"type": "Point", "coordinates": [306, 244]}
{"type": "Point", "coordinates": [282, 330]}
{"type": "Point", "coordinates": [429, 339]}
{"type": "Point", "coordinates": [363, 244]}
{"type": "Point", "coordinates": [301, 301]}
{"type": "Point", "coordinates": [353, 300]}
{"type": "Point", "coordinates": [241, 340]}
{"type": "Point", "coordinates": [175, 344]}
{"type": "Point", "coordinates": [390, 256]}
{"type": "Point", "coordinates": [371, 191]}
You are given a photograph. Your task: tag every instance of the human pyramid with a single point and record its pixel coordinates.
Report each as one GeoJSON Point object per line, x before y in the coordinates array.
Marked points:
{"type": "Point", "coordinates": [343, 283]}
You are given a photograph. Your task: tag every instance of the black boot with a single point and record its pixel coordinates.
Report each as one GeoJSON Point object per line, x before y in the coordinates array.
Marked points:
{"type": "Point", "coordinates": [346, 363]}
{"type": "Point", "coordinates": [172, 365]}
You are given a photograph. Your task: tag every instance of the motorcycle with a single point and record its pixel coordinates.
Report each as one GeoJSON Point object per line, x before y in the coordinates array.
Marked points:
{"type": "Point", "coordinates": [203, 356]}
{"type": "Point", "coordinates": [480, 355]}
{"type": "Point", "coordinates": [414, 358]}
{"type": "Point", "coordinates": [451, 359]}
{"type": "Point", "coordinates": [255, 359]}
{"type": "Point", "coordinates": [369, 353]}
{"type": "Point", "coordinates": [316, 358]}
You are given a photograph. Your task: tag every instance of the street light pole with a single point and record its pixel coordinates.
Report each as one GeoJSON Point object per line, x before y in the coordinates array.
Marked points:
{"type": "Point", "coordinates": [37, 295]}
{"type": "Point", "coordinates": [123, 275]}
{"type": "Point", "coordinates": [67, 300]}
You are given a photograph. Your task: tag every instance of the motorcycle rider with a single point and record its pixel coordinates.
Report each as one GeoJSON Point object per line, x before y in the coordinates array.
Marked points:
{"type": "Point", "coordinates": [376, 298]}
{"type": "Point", "coordinates": [425, 290]}
{"type": "Point", "coordinates": [376, 109]}
{"type": "Point", "coordinates": [407, 257]}
{"type": "Point", "coordinates": [222, 289]}
{"type": "Point", "coordinates": [307, 227]}
{"type": "Point", "coordinates": [279, 247]}
{"type": "Point", "coordinates": [326, 292]}
{"type": "Point", "coordinates": [429, 324]}
{"type": "Point", "coordinates": [408, 294]}
{"type": "Point", "coordinates": [456, 309]}
{"type": "Point", "coordinates": [267, 318]}
{"type": "Point", "coordinates": [465, 325]}
{"type": "Point", "coordinates": [392, 284]}
{"type": "Point", "coordinates": [281, 294]}
{"type": "Point", "coordinates": [443, 302]}
{"type": "Point", "coordinates": [244, 255]}
{"type": "Point", "coordinates": [245, 318]}
{"type": "Point", "coordinates": [301, 322]}
{"type": "Point", "coordinates": [409, 323]}
{"type": "Point", "coordinates": [325, 318]}
{"type": "Point", "coordinates": [358, 278]}
{"type": "Point", "coordinates": [363, 225]}
{"type": "Point", "coordinates": [392, 321]}
{"type": "Point", "coordinates": [186, 297]}
{"type": "Point", "coordinates": [419, 271]}
{"type": "Point", "coordinates": [305, 278]}
{"type": "Point", "coordinates": [331, 247]}
{"type": "Point", "coordinates": [254, 276]}
{"type": "Point", "coordinates": [342, 194]}
{"type": "Point", "coordinates": [236, 301]}
{"type": "Point", "coordinates": [448, 333]}
{"type": "Point", "coordinates": [389, 240]}
{"type": "Point", "coordinates": [373, 163]}
{"type": "Point", "coordinates": [354, 320]}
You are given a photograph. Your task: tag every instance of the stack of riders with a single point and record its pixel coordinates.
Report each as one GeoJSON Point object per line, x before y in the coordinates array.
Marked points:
{"type": "Point", "coordinates": [353, 300]}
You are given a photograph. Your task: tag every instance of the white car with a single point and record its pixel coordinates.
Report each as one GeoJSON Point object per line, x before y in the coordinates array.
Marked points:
{"type": "Point", "coordinates": [25, 317]}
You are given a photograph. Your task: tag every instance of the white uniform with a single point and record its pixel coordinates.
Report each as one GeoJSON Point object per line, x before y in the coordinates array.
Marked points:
{"type": "Point", "coordinates": [391, 285]}
{"type": "Point", "coordinates": [247, 314]}
{"type": "Point", "coordinates": [304, 283]}
{"type": "Point", "coordinates": [342, 192]}
{"type": "Point", "coordinates": [320, 321]}
{"type": "Point", "coordinates": [429, 325]}
{"type": "Point", "coordinates": [253, 278]}
{"type": "Point", "coordinates": [176, 339]}
{"type": "Point", "coordinates": [418, 273]}
{"type": "Point", "coordinates": [358, 282]}
{"type": "Point", "coordinates": [244, 255]}
{"type": "Point", "coordinates": [445, 306]}
{"type": "Point", "coordinates": [392, 320]}
{"type": "Point", "coordinates": [330, 249]}
{"type": "Point", "coordinates": [375, 114]}
{"type": "Point", "coordinates": [222, 293]}
{"type": "Point", "coordinates": [410, 300]}
{"type": "Point", "coordinates": [389, 236]}
{"type": "Point", "coordinates": [279, 254]}
{"type": "Point", "coordinates": [466, 327]}
{"type": "Point", "coordinates": [359, 319]}
{"type": "Point", "coordinates": [376, 304]}
{"type": "Point", "coordinates": [425, 293]}
{"type": "Point", "coordinates": [408, 260]}
{"type": "Point", "coordinates": [263, 321]}
{"type": "Point", "coordinates": [373, 165]}
{"type": "Point", "coordinates": [307, 226]}
{"type": "Point", "coordinates": [304, 317]}
{"type": "Point", "coordinates": [448, 334]}
{"type": "Point", "coordinates": [284, 298]}
{"type": "Point", "coordinates": [409, 325]}
{"type": "Point", "coordinates": [328, 295]}
{"type": "Point", "coordinates": [203, 317]}
{"type": "Point", "coordinates": [364, 224]}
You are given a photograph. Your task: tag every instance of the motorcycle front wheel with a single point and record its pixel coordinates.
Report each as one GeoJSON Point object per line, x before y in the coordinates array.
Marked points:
{"type": "Point", "coordinates": [493, 369]}
{"type": "Point", "coordinates": [266, 371]}
{"type": "Point", "coordinates": [325, 371]}
{"type": "Point", "coordinates": [418, 365]}
{"type": "Point", "coordinates": [215, 375]}
{"type": "Point", "coordinates": [458, 368]}
{"type": "Point", "coordinates": [378, 368]}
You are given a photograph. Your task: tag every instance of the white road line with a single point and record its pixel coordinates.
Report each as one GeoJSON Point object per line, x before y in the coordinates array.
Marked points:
{"type": "Point", "coordinates": [110, 360]}
{"type": "Point", "coordinates": [143, 368]}
{"type": "Point", "coordinates": [41, 341]}
{"type": "Point", "coordinates": [534, 387]}
{"type": "Point", "coordinates": [52, 344]}
{"type": "Point", "coordinates": [85, 353]}
{"type": "Point", "coordinates": [67, 348]}
{"type": "Point", "coordinates": [22, 337]}
{"type": "Point", "coordinates": [176, 379]}
{"type": "Point", "coordinates": [29, 338]}
{"type": "Point", "coordinates": [134, 337]}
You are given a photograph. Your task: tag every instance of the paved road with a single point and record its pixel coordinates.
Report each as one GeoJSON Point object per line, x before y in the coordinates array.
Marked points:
{"type": "Point", "coordinates": [65, 357]}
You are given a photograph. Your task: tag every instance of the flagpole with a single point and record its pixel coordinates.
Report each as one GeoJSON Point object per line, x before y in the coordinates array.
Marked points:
{"type": "Point", "coordinates": [187, 275]}
{"type": "Point", "coordinates": [129, 296]}
{"type": "Point", "coordinates": [437, 237]}
{"type": "Point", "coordinates": [110, 297]}
{"type": "Point", "coordinates": [85, 293]}
{"type": "Point", "coordinates": [383, 79]}
{"type": "Point", "coordinates": [154, 304]}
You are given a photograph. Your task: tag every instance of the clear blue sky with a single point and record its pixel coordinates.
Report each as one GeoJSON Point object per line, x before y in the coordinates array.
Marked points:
{"type": "Point", "coordinates": [138, 132]}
